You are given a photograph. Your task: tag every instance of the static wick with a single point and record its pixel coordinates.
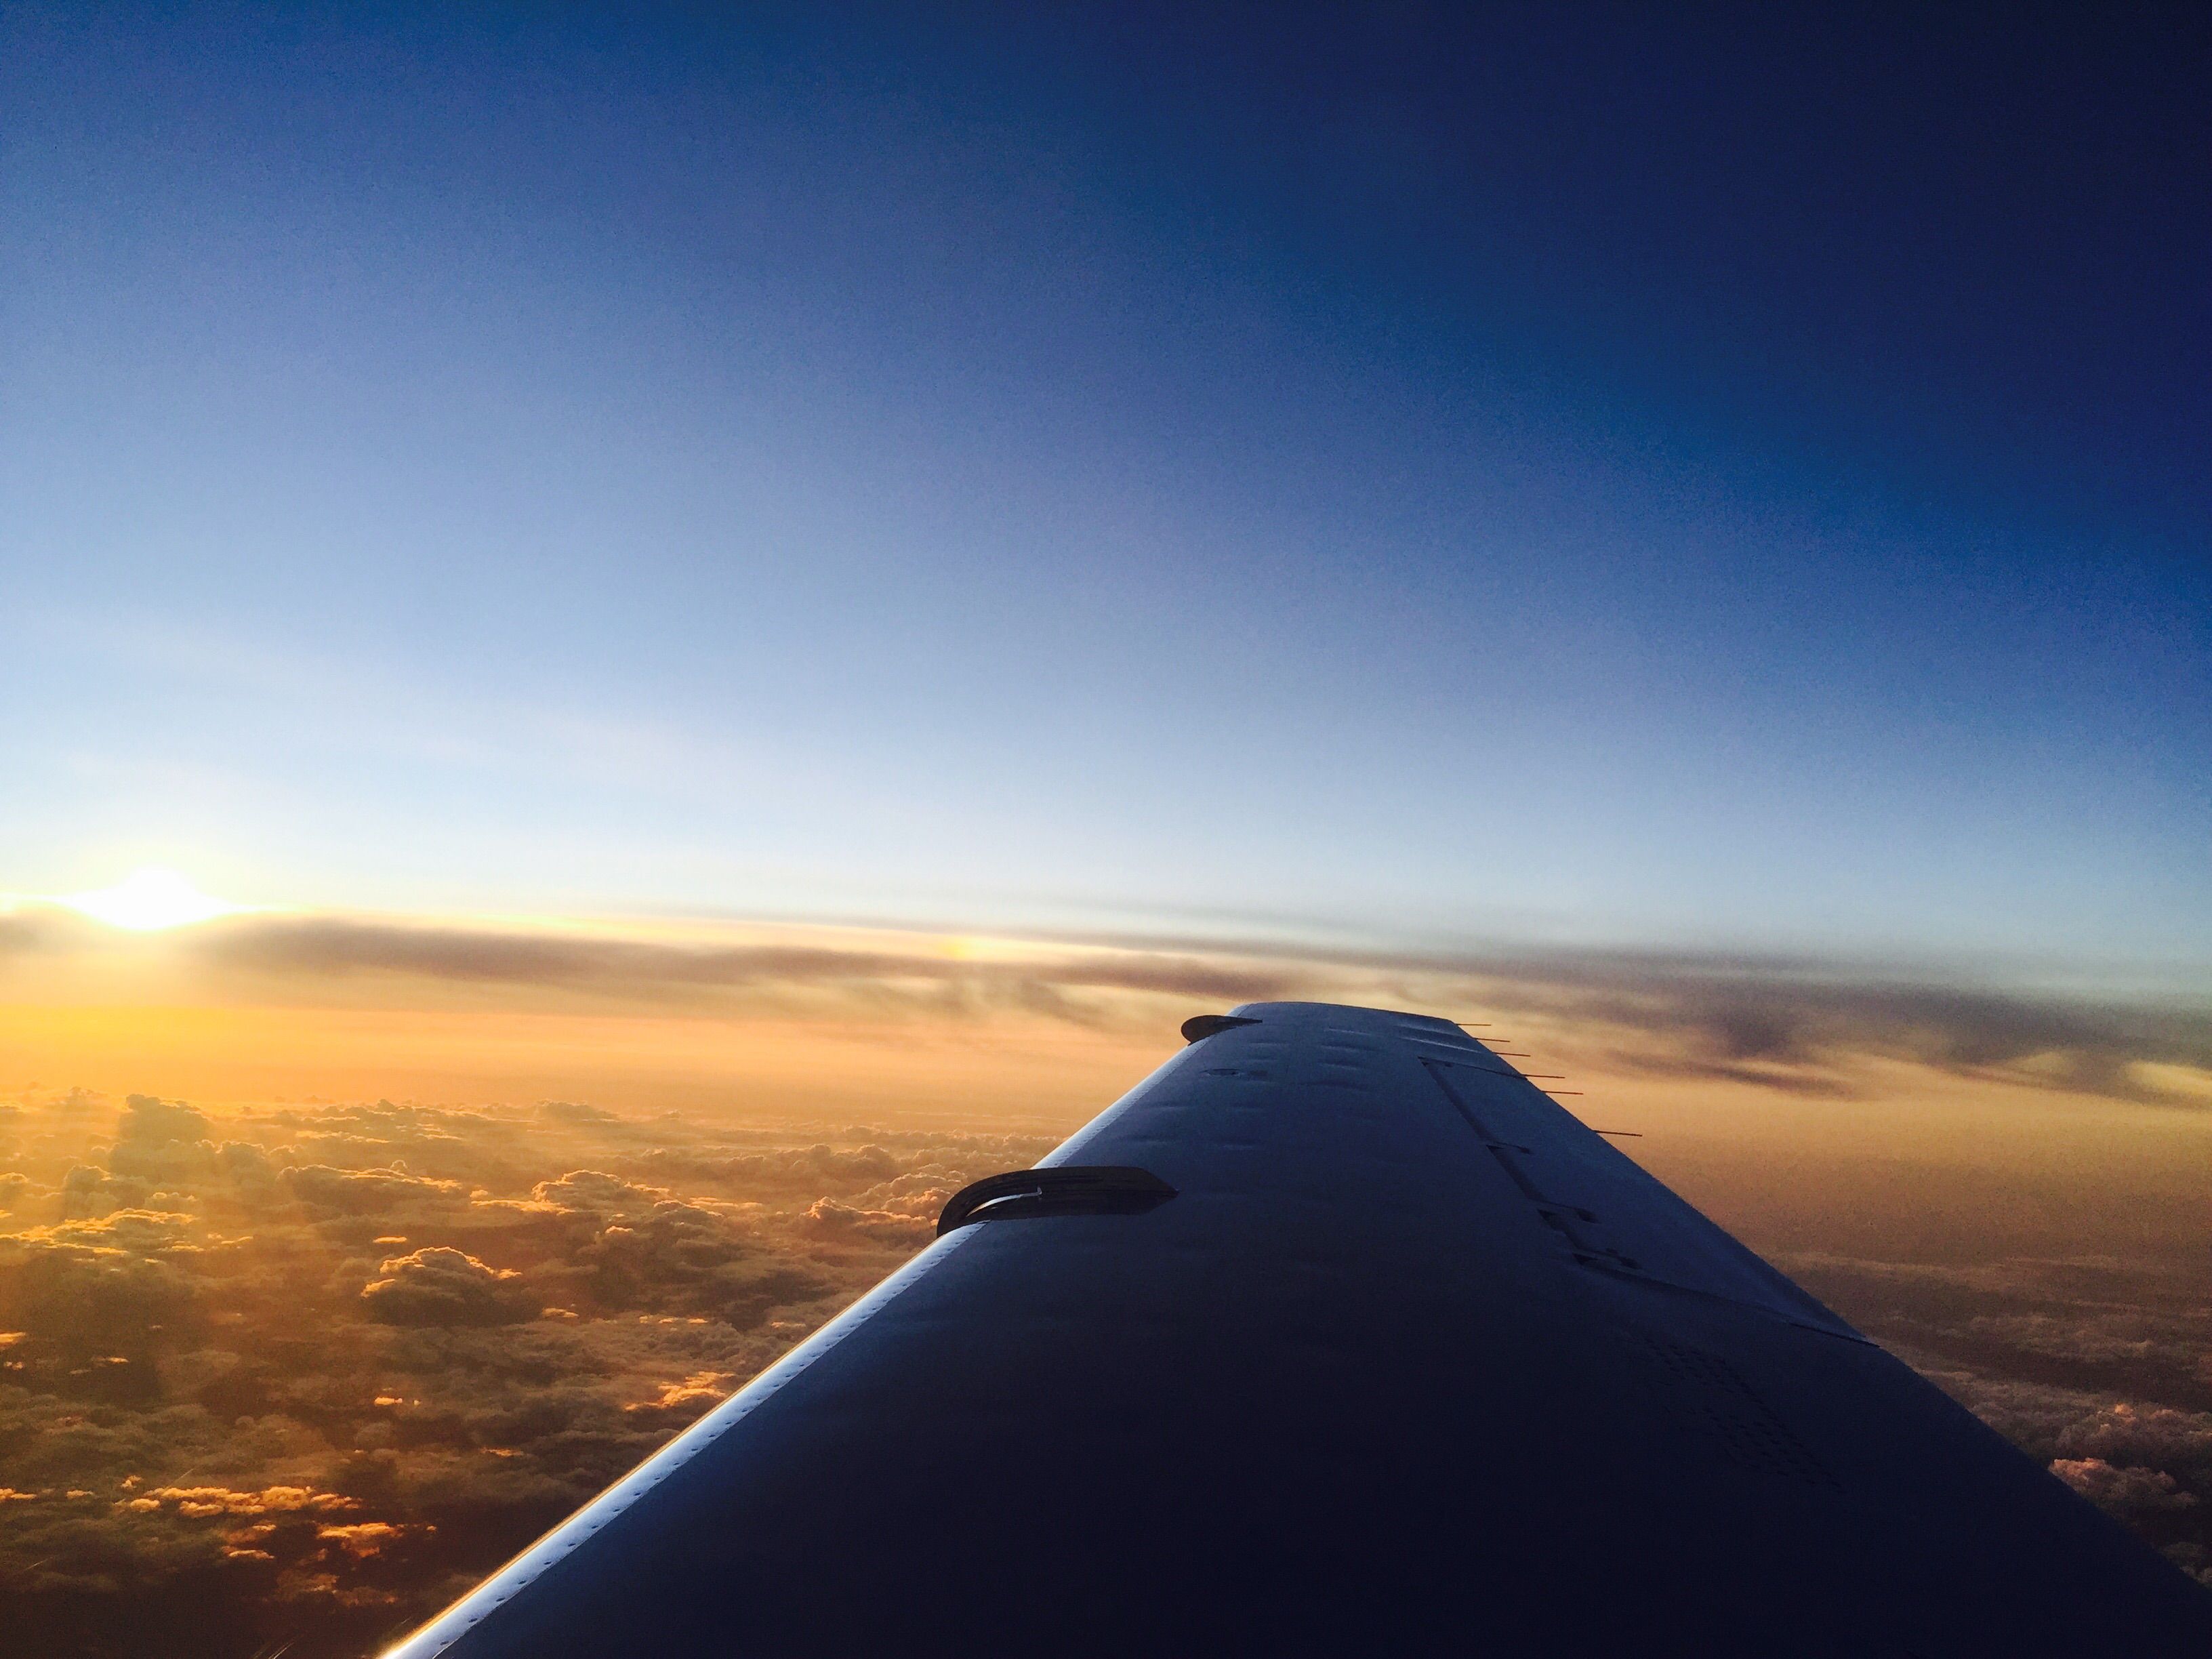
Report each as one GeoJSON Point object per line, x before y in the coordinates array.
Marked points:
{"type": "Point", "coordinates": [1622, 1134]}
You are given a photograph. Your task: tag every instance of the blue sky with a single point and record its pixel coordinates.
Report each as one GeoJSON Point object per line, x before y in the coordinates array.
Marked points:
{"type": "Point", "coordinates": [1561, 477]}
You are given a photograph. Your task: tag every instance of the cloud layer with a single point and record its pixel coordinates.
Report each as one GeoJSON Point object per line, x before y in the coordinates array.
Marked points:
{"type": "Point", "coordinates": [2101, 1369]}
{"type": "Point", "coordinates": [297, 1375]}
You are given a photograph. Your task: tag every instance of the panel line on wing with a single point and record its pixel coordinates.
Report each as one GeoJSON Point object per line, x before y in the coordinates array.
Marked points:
{"type": "Point", "coordinates": [1588, 1239]}
{"type": "Point", "coordinates": [1574, 1222]}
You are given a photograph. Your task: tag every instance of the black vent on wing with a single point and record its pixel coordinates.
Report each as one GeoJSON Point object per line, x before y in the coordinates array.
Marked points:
{"type": "Point", "coordinates": [1200, 1026]}
{"type": "Point", "coordinates": [1021, 1194]}
{"type": "Point", "coordinates": [1723, 1404]}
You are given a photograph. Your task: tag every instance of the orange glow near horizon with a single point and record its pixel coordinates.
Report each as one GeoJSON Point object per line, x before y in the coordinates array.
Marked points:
{"type": "Point", "coordinates": [730, 1023]}
{"type": "Point", "coordinates": [1028, 1072]}
{"type": "Point", "coordinates": [1951, 1166]}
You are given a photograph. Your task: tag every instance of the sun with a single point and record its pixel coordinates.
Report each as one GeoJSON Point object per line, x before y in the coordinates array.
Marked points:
{"type": "Point", "coordinates": [150, 899]}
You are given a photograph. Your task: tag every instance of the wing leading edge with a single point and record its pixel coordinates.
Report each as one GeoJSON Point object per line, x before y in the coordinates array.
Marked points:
{"type": "Point", "coordinates": [1390, 1350]}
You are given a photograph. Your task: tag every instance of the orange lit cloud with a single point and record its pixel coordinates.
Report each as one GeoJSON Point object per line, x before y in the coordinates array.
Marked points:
{"type": "Point", "coordinates": [362, 1352]}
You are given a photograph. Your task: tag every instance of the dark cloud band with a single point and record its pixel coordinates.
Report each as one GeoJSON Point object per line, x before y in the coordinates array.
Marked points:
{"type": "Point", "coordinates": [1791, 1025]}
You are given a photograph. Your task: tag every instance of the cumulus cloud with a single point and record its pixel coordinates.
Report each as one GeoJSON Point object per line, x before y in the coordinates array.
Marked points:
{"type": "Point", "coordinates": [594, 1193]}
{"type": "Point", "coordinates": [827, 1215]}
{"type": "Point", "coordinates": [159, 1141]}
{"type": "Point", "coordinates": [444, 1286]}
{"type": "Point", "coordinates": [699, 1388]}
{"type": "Point", "coordinates": [89, 1191]}
{"type": "Point", "coordinates": [93, 1284]}
{"type": "Point", "coordinates": [386, 1192]}
{"type": "Point", "coordinates": [246, 1168]}
{"type": "Point", "coordinates": [571, 1111]}
{"type": "Point", "coordinates": [2130, 1433]}
{"type": "Point", "coordinates": [2123, 1492]}
{"type": "Point", "coordinates": [365, 1538]}
{"type": "Point", "coordinates": [199, 1501]}
{"type": "Point", "coordinates": [2193, 1559]}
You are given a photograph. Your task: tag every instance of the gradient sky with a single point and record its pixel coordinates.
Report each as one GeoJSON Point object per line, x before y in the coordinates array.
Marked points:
{"type": "Point", "coordinates": [1577, 476]}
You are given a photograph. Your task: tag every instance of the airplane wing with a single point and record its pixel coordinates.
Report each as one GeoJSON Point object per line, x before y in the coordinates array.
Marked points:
{"type": "Point", "coordinates": [1336, 1332]}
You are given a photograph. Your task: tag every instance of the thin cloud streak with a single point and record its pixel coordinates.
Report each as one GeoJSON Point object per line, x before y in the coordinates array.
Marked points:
{"type": "Point", "coordinates": [660, 970]}
{"type": "Point", "coordinates": [1750, 1023]}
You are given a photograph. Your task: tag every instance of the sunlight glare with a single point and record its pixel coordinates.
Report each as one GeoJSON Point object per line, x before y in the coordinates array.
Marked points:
{"type": "Point", "coordinates": [150, 899]}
